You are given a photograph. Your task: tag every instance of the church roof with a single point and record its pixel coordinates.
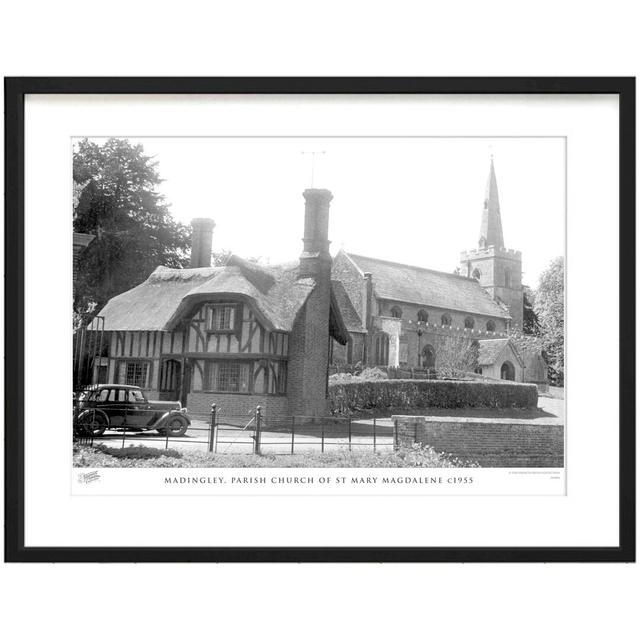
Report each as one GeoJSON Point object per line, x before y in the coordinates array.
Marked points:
{"type": "Point", "coordinates": [490, 350]}
{"type": "Point", "coordinates": [491, 226]}
{"type": "Point", "coordinates": [167, 295]}
{"type": "Point", "coordinates": [426, 287]}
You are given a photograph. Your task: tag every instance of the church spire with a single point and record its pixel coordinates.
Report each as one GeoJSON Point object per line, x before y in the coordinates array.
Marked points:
{"type": "Point", "coordinates": [491, 228]}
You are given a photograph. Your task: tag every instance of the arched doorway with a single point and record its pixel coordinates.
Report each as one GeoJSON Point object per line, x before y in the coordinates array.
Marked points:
{"type": "Point", "coordinates": [429, 357]}
{"type": "Point", "coordinates": [507, 371]}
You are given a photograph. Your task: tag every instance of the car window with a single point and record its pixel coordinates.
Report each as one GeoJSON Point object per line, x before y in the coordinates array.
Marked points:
{"type": "Point", "coordinates": [136, 396]}
{"type": "Point", "coordinates": [102, 395]}
{"type": "Point", "coordinates": [120, 396]}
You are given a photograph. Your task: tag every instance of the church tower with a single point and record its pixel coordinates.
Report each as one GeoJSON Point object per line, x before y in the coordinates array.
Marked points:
{"type": "Point", "coordinates": [498, 270]}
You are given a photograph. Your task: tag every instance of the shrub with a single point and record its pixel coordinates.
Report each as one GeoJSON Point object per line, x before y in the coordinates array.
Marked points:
{"type": "Point", "coordinates": [348, 398]}
{"type": "Point", "coordinates": [365, 375]}
{"type": "Point", "coordinates": [373, 374]}
{"type": "Point", "coordinates": [138, 452]}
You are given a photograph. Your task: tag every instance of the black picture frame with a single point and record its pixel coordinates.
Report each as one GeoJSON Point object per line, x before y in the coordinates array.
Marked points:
{"type": "Point", "coordinates": [15, 91]}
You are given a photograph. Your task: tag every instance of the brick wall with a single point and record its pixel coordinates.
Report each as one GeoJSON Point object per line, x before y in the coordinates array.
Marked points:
{"type": "Point", "coordinates": [491, 443]}
{"type": "Point", "coordinates": [309, 355]}
{"type": "Point", "coordinates": [236, 405]}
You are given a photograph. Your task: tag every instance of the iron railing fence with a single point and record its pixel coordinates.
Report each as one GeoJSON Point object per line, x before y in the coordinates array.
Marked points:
{"type": "Point", "coordinates": [223, 433]}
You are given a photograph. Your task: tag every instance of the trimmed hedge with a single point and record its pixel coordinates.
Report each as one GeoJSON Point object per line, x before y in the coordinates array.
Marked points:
{"type": "Point", "coordinates": [353, 397]}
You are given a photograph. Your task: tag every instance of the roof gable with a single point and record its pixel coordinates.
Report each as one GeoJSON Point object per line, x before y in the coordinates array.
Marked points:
{"type": "Point", "coordinates": [489, 351]}
{"type": "Point", "coordinates": [350, 316]}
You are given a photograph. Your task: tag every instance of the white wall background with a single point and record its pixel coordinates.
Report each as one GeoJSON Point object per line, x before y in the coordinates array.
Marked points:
{"type": "Point", "coordinates": [328, 38]}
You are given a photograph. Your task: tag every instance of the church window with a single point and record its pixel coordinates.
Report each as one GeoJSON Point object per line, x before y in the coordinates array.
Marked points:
{"type": "Point", "coordinates": [491, 325]}
{"type": "Point", "coordinates": [445, 320]}
{"type": "Point", "coordinates": [423, 316]}
{"type": "Point", "coordinates": [507, 278]}
{"type": "Point", "coordinates": [396, 312]}
{"type": "Point", "coordinates": [476, 274]}
{"type": "Point", "coordinates": [469, 322]}
{"type": "Point", "coordinates": [381, 349]}
{"type": "Point", "coordinates": [429, 357]}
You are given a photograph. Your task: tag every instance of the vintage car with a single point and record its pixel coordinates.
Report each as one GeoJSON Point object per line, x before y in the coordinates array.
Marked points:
{"type": "Point", "coordinates": [125, 407]}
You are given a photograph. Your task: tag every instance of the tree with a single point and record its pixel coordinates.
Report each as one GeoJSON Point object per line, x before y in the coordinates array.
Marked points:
{"type": "Point", "coordinates": [134, 231]}
{"type": "Point", "coordinates": [530, 322]}
{"type": "Point", "coordinates": [549, 307]}
{"type": "Point", "coordinates": [455, 355]}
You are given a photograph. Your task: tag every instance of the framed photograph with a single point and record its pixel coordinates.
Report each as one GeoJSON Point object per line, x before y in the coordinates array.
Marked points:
{"type": "Point", "coordinates": [320, 319]}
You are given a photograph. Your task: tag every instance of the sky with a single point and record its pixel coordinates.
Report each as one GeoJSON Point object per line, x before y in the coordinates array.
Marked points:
{"type": "Point", "coordinates": [412, 200]}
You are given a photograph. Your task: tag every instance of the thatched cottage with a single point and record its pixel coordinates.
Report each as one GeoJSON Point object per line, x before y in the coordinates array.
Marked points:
{"type": "Point", "coordinates": [239, 335]}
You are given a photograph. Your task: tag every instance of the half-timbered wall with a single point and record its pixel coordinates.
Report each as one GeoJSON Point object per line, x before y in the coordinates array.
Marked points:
{"type": "Point", "coordinates": [247, 337]}
{"type": "Point", "coordinates": [143, 347]}
{"type": "Point", "coordinates": [260, 354]}
{"type": "Point", "coordinates": [244, 358]}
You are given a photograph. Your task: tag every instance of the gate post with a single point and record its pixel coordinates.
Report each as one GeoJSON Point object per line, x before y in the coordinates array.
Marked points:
{"type": "Point", "coordinates": [256, 446]}
{"type": "Point", "coordinates": [396, 443]}
{"type": "Point", "coordinates": [293, 433]}
{"type": "Point", "coordinates": [213, 429]}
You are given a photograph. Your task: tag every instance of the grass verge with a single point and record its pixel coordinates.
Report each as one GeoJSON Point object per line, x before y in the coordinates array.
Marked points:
{"type": "Point", "coordinates": [417, 456]}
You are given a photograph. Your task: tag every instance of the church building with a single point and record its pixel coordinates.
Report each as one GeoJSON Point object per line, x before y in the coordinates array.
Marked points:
{"type": "Point", "coordinates": [412, 317]}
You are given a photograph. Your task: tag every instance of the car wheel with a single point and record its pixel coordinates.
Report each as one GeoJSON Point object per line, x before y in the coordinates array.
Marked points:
{"type": "Point", "coordinates": [175, 426]}
{"type": "Point", "coordinates": [94, 424]}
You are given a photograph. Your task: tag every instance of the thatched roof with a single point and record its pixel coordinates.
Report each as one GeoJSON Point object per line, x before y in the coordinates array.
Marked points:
{"type": "Point", "coordinates": [427, 287]}
{"type": "Point", "coordinates": [168, 295]}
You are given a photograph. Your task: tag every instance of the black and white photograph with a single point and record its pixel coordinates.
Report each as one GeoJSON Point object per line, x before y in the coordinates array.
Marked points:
{"type": "Point", "coordinates": [319, 302]}
{"type": "Point", "coordinates": [307, 319]}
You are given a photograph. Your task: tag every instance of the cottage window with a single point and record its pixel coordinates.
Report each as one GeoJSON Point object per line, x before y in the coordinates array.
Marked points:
{"type": "Point", "coordinates": [445, 321]}
{"type": "Point", "coordinates": [423, 316]}
{"type": "Point", "coordinates": [396, 312]}
{"type": "Point", "coordinates": [221, 317]}
{"type": "Point", "coordinates": [278, 378]}
{"type": "Point", "coordinates": [136, 373]}
{"type": "Point", "coordinates": [469, 322]}
{"type": "Point", "coordinates": [230, 377]}
{"type": "Point", "coordinates": [491, 326]}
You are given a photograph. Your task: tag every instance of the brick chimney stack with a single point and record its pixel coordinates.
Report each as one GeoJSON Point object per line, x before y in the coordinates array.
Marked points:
{"type": "Point", "coordinates": [315, 258]}
{"type": "Point", "coordinates": [201, 237]}
{"type": "Point", "coordinates": [309, 339]}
